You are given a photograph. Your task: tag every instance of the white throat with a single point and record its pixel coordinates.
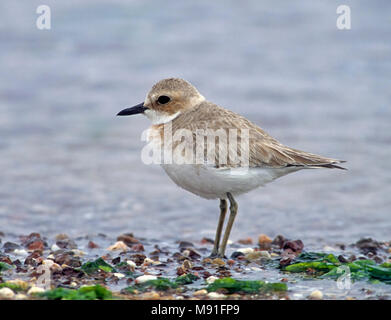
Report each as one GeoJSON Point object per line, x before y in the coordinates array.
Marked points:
{"type": "Point", "coordinates": [160, 117]}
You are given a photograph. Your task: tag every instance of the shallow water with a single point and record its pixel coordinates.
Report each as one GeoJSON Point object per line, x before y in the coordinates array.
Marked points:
{"type": "Point", "coordinates": [69, 165]}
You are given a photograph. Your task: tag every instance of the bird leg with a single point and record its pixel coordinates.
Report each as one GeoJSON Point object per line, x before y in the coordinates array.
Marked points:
{"type": "Point", "coordinates": [223, 211]}
{"type": "Point", "coordinates": [233, 210]}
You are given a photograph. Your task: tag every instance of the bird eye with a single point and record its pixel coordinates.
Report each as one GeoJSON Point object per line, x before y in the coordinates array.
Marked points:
{"type": "Point", "coordinates": [163, 99]}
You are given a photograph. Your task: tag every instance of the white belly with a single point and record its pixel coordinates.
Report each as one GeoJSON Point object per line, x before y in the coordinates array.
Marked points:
{"type": "Point", "coordinates": [212, 183]}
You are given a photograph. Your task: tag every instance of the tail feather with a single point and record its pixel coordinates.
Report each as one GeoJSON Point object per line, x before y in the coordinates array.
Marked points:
{"type": "Point", "coordinates": [333, 166]}
{"type": "Point", "coordinates": [321, 165]}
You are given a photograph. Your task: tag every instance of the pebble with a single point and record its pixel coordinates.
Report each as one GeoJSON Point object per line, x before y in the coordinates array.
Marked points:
{"type": "Point", "coordinates": [145, 278]}
{"type": "Point", "coordinates": [255, 255]}
{"type": "Point", "coordinates": [34, 290]}
{"type": "Point", "coordinates": [265, 254]}
{"type": "Point", "coordinates": [20, 283]}
{"type": "Point", "coordinates": [237, 255]}
{"type": "Point", "coordinates": [10, 246]}
{"type": "Point", "coordinates": [245, 241]}
{"type": "Point", "coordinates": [294, 245]}
{"type": "Point", "coordinates": [128, 239]}
{"type": "Point", "coordinates": [61, 236]}
{"type": "Point", "coordinates": [211, 279]}
{"type": "Point", "coordinates": [201, 292]}
{"type": "Point", "coordinates": [245, 250]}
{"type": "Point", "coordinates": [48, 262]}
{"type": "Point", "coordinates": [256, 269]}
{"type": "Point", "coordinates": [67, 244]}
{"type": "Point", "coordinates": [148, 261]}
{"type": "Point", "coordinates": [55, 247]}
{"type": "Point", "coordinates": [55, 267]}
{"type": "Point", "coordinates": [180, 271]}
{"type": "Point", "coordinates": [153, 295]}
{"type": "Point", "coordinates": [207, 241]}
{"type": "Point", "coordinates": [67, 260]}
{"type": "Point", "coordinates": [78, 253]}
{"type": "Point", "coordinates": [231, 262]}
{"type": "Point", "coordinates": [137, 247]}
{"type": "Point", "coordinates": [186, 253]}
{"type": "Point", "coordinates": [131, 264]}
{"type": "Point", "coordinates": [36, 245]}
{"type": "Point", "coordinates": [194, 254]}
{"type": "Point", "coordinates": [119, 275]}
{"type": "Point", "coordinates": [6, 293]}
{"type": "Point", "coordinates": [377, 259]}
{"type": "Point", "coordinates": [187, 264]}
{"type": "Point", "coordinates": [218, 262]}
{"type": "Point", "coordinates": [92, 245]}
{"type": "Point", "coordinates": [316, 295]}
{"type": "Point", "coordinates": [21, 252]}
{"type": "Point", "coordinates": [264, 240]}
{"type": "Point", "coordinates": [216, 295]}
{"type": "Point", "coordinates": [119, 245]}
{"type": "Point", "coordinates": [185, 244]}
{"type": "Point", "coordinates": [328, 248]}
{"type": "Point", "coordinates": [20, 296]}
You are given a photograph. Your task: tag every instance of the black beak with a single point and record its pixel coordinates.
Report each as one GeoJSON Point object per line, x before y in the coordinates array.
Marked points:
{"type": "Point", "coordinates": [133, 110]}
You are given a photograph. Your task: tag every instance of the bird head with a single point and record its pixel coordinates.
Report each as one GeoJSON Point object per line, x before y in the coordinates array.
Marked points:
{"type": "Point", "coordinates": [166, 100]}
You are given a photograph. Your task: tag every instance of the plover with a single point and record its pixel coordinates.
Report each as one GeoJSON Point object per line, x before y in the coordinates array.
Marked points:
{"type": "Point", "coordinates": [178, 104]}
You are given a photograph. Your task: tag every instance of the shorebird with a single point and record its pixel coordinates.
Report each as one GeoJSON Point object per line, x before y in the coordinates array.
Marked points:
{"type": "Point", "coordinates": [177, 103]}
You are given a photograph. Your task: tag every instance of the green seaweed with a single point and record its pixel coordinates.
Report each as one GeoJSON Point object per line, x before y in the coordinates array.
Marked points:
{"type": "Point", "coordinates": [125, 269]}
{"type": "Point", "coordinates": [12, 286]}
{"type": "Point", "coordinates": [4, 266]}
{"type": "Point", "coordinates": [328, 266]}
{"type": "Point", "coordinates": [96, 292]}
{"type": "Point", "coordinates": [228, 284]}
{"type": "Point", "coordinates": [186, 279]}
{"type": "Point", "coordinates": [122, 264]}
{"type": "Point", "coordinates": [130, 289]}
{"type": "Point", "coordinates": [249, 286]}
{"type": "Point", "coordinates": [162, 284]}
{"type": "Point", "coordinates": [97, 265]}
{"type": "Point", "coordinates": [304, 266]}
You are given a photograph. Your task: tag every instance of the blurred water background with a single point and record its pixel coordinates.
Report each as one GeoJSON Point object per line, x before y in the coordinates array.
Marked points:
{"type": "Point", "coordinates": [69, 165]}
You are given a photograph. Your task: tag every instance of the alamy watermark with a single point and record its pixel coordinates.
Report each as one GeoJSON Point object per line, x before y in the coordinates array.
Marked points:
{"type": "Point", "coordinates": [44, 280]}
{"type": "Point", "coordinates": [344, 18]}
{"type": "Point", "coordinates": [44, 20]}
{"type": "Point", "coordinates": [344, 281]}
{"type": "Point", "coordinates": [215, 147]}
{"type": "Point", "coordinates": [343, 22]}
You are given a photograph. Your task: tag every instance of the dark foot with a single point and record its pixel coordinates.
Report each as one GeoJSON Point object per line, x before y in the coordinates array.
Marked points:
{"type": "Point", "coordinates": [214, 255]}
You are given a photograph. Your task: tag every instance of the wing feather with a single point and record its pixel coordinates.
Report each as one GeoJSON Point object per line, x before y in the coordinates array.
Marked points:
{"type": "Point", "coordinates": [264, 150]}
